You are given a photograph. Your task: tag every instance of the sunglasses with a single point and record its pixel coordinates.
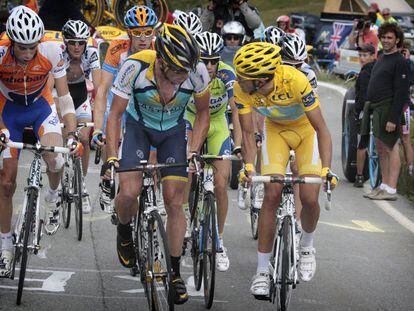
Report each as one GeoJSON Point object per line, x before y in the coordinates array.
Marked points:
{"type": "Point", "coordinates": [139, 33]}
{"type": "Point", "coordinates": [232, 37]}
{"type": "Point", "coordinates": [74, 42]}
{"type": "Point", "coordinates": [26, 48]}
{"type": "Point", "coordinates": [212, 61]}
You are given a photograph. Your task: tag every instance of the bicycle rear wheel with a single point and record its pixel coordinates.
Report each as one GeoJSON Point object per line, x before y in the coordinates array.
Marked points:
{"type": "Point", "coordinates": [77, 196]}
{"type": "Point", "coordinates": [159, 263]}
{"type": "Point", "coordinates": [209, 249]}
{"type": "Point", "coordinates": [373, 164]}
{"type": "Point", "coordinates": [26, 233]}
{"type": "Point", "coordinates": [287, 264]}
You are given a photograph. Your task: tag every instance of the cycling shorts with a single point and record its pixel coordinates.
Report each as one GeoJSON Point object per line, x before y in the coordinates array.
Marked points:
{"type": "Point", "coordinates": [218, 137]}
{"type": "Point", "coordinates": [278, 140]}
{"type": "Point", "coordinates": [84, 111]}
{"type": "Point", "coordinates": [171, 147]}
{"type": "Point", "coordinates": [407, 117]}
{"type": "Point", "coordinates": [40, 115]}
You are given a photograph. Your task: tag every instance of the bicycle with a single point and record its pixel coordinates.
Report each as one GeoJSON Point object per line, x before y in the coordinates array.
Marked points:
{"type": "Point", "coordinates": [204, 233]}
{"type": "Point", "coordinates": [28, 228]}
{"type": "Point", "coordinates": [284, 259]}
{"type": "Point", "coordinates": [72, 188]}
{"type": "Point", "coordinates": [150, 240]}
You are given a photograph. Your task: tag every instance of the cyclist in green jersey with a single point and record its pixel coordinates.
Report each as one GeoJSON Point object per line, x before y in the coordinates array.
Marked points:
{"type": "Point", "coordinates": [218, 138]}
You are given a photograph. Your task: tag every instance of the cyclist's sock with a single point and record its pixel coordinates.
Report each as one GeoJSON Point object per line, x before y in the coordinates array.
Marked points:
{"type": "Point", "coordinates": [391, 190]}
{"type": "Point", "coordinates": [307, 239]}
{"type": "Point", "coordinates": [6, 241]}
{"type": "Point", "coordinates": [383, 186]}
{"type": "Point", "coordinates": [175, 265]}
{"type": "Point", "coordinates": [124, 231]}
{"type": "Point", "coordinates": [263, 262]}
{"type": "Point", "coordinates": [220, 246]}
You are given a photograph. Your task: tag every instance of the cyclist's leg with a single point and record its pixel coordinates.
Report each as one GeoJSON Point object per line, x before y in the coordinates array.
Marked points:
{"type": "Point", "coordinates": [84, 114]}
{"type": "Point", "coordinates": [309, 164]}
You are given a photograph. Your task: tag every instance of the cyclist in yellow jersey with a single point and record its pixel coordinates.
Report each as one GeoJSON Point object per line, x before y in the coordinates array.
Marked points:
{"type": "Point", "coordinates": [293, 121]}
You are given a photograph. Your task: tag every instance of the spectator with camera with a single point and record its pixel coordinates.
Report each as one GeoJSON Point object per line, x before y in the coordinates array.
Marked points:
{"type": "Point", "coordinates": [388, 91]}
{"type": "Point", "coordinates": [363, 35]}
{"type": "Point", "coordinates": [219, 12]}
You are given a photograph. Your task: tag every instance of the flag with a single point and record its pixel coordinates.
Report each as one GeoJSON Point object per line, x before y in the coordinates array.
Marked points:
{"type": "Point", "coordinates": [339, 34]}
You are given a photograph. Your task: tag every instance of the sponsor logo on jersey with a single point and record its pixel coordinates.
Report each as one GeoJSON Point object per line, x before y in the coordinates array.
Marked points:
{"type": "Point", "coordinates": [60, 63]}
{"type": "Point", "coordinates": [309, 99]}
{"type": "Point", "coordinates": [278, 97]}
{"type": "Point", "coordinates": [118, 47]}
{"type": "Point", "coordinates": [28, 79]}
{"type": "Point", "coordinates": [2, 53]}
{"type": "Point", "coordinates": [36, 68]}
{"type": "Point", "coordinates": [126, 76]}
{"type": "Point", "coordinates": [54, 120]}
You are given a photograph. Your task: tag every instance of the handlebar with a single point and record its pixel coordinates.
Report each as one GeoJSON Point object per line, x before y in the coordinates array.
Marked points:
{"type": "Point", "coordinates": [38, 147]}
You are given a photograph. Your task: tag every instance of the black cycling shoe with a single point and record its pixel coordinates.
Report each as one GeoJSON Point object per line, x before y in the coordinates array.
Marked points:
{"type": "Point", "coordinates": [359, 181]}
{"type": "Point", "coordinates": [180, 291]}
{"type": "Point", "coordinates": [126, 252]}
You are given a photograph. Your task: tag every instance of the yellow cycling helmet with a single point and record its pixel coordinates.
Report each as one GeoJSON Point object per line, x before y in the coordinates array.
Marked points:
{"type": "Point", "coordinates": [177, 48]}
{"type": "Point", "coordinates": [257, 60]}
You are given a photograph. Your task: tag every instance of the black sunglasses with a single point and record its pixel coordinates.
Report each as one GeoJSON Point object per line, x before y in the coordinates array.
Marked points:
{"type": "Point", "coordinates": [232, 37]}
{"type": "Point", "coordinates": [73, 42]}
{"type": "Point", "coordinates": [212, 61]}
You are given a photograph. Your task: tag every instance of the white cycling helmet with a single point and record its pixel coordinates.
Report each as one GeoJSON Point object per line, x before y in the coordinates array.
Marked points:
{"type": "Point", "coordinates": [190, 22]}
{"type": "Point", "coordinates": [274, 35]}
{"type": "Point", "coordinates": [233, 28]}
{"type": "Point", "coordinates": [294, 50]}
{"type": "Point", "coordinates": [75, 30]}
{"type": "Point", "coordinates": [211, 44]}
{"type": "Point", "coordinates": [24, 26]}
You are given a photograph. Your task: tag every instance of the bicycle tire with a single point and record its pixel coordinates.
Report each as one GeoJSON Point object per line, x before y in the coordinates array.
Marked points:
{"type": "Point", "coordinates": [373, 164]}
{"type": "Point", "coordinates": [162, 295]}
{"type": "Point", "coordinates": [93, 11]}
{"type": "Point", "coordinates": [209, 249]}
{"type": "Point", "coordinates": [27, 228]}
{"type": "Point", "coordinates": [65, 200]}
{"type": "Point", "coordinates": [196, 253]}
{"type": "Point", "coordinates": [287, 264]}
{"type": "Point", "coordinates": [77, 197]}
{"type": "Point", "coordinates": [254, 221]}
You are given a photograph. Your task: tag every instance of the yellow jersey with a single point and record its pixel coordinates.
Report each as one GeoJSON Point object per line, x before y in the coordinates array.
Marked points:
{"type": "Point", "coordinates": [291, 97]}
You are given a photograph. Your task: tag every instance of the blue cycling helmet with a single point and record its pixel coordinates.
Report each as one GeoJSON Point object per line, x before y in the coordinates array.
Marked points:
{"type": "Point", "coordinates": [140, 16]}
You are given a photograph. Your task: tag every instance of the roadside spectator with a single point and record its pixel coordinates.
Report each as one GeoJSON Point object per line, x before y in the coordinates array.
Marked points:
{"type": "Point", "coordinates": [55, 14]}
{"type": "Point", "coordinates": [405, 129]}
{"type": "Point", "coordinates": [367, 61]}
{"type": "Point", "coordinates": [388, 91]}
{"type": "Point", "coordinates": [386, 14]}
{"type": "Point", "coordinates": [362, 34]}
{"type": "Point", "coordinates": [233, 34]}
{"type": "Point", "coordinates": [375, 8]}
{"type": "Point", "coordinates": [216, 14]}
{"type": "Point", "coordinates": [283, 22]}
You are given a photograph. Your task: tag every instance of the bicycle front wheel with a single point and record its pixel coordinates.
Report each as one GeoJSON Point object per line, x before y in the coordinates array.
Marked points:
{"type": "Point", "coordinates": [196, 242]}
{"type": "Point", "coordinates": [65, 199]}
{"type": "Point", "coordinates": [374, 164]}
{"type": "Point", "coordinates": [77, 196]}
{"type": "Point", "coordinates": [26, 233]}
{"type": "Point", "coordinates": [287, 271]}
{"type": "Point", "coordinates": [209, 249]}
{"type": "Point", "coordinates": [93, 11]}
{"type": "Point", "coordinates": [159, 263]}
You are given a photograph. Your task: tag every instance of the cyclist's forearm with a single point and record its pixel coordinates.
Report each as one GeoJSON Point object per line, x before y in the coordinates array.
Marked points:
{"type": "Point", "coordinates": [69, 120]}
{"type": "Point", "coordinates": [236, 125]}
{"type": "Point", "coordinates": [99, 109]}
{"type": "Point", "coordinates": [200, 129]}
{"type": "Point", "coordinates": [113, 130]}
{"type": "Point", "coordinates": [325, 147]}
{"type": "Point", "coordinates": [248, 140]}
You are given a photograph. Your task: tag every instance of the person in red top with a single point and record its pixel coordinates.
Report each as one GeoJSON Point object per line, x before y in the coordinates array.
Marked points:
{"type": "Point", "coordinates": [25, 101]}
{"type": "Point", "coordinates": [362, 35]}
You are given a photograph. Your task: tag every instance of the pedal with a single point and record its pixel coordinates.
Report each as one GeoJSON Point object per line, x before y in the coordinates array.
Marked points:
{"type": "Point", "coordinates": [114, 219]}
{"type": "Point", "coordinates": [52, 225]}
{"type": "Point", "coordinates": [262, 297]}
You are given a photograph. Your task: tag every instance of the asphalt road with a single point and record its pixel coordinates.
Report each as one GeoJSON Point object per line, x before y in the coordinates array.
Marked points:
{"type": "Point", "coordinates": [365, 256]}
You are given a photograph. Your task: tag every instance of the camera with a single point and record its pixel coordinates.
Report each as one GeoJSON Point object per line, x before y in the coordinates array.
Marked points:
{"type": "Point", "coordinates": [362, 23]}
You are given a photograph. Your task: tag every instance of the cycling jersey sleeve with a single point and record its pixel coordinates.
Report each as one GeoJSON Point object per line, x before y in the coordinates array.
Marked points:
{"type": "Point", "coordinates": [123, 84]}
{"type": "Point", "coordinates": [55, 56]}
{"type": "Point", "coordinates": [242, 99]}
{"type": "Point", "coordinates": [112, 57]}
{"type": "Point", "coordinates": [200, 80]}
{"type": "Point", "coordinates": [228, 77]}
{"type": "Point", "coordinates": [306, 95]}
{"type": "Point", "coordinates": [93, 58]}
{"type": "Point", "coordinates": [313, 80]}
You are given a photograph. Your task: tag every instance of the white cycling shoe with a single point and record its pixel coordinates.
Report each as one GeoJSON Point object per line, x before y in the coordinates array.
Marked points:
{"type": "Point", "coordinates": [6, 261]}
{"type": "Point", "coordinates": [307, 263]}
{"type": "Point", "coordinates": [222, 260]}
{"type": "Point", "coordinates": [260, 285]}
{"type": "Point", "coordinates": [86, 202]}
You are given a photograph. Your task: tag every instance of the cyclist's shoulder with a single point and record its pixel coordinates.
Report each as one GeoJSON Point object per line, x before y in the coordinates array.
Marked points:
{"type": "Point", "coordinates": [145, 56]}
{"type": "Point", "coordinates": [290, 77]}
{"type": "Point", "coordinates": [225, 72]}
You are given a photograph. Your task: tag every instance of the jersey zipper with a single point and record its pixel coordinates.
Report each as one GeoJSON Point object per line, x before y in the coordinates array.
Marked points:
{"type": "Point", "coordinates": [25, 87]}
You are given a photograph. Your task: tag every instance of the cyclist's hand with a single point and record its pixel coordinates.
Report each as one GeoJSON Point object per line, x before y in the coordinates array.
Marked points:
{"type": "Point", "coordinates": [328, 175]}
{"type": "Point", "coordinates": [76, 147]}
{"type": "Point", "coordinates": [4, 138]}
{"type": "Point", "coordinates": [259, 139]}
{"type": "Point", "coordinates": [246, 173]}
{"type": "Point", "coordinates": [191, 158]}
{"type": "Point", "coordinates": [237, 151]}
{"type": "Point", "coordinates": [106, 167]}
{"type": "Point", "coordinates": [98, 138]}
